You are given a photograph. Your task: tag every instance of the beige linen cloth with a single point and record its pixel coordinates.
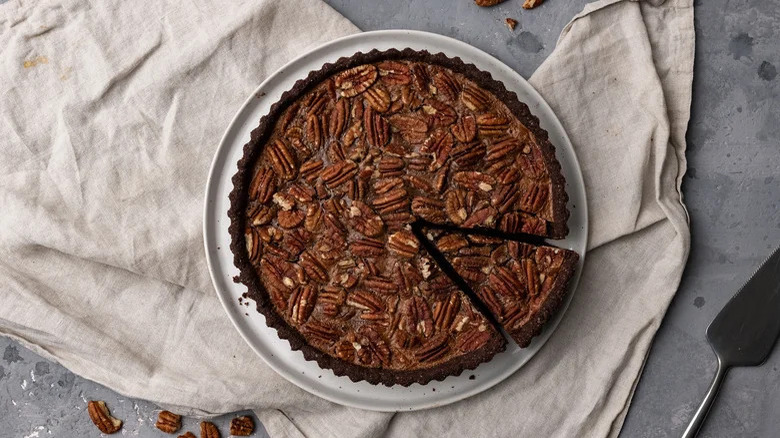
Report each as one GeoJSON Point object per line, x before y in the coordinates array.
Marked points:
{"type": "Point", "coordinates": [110, 115]}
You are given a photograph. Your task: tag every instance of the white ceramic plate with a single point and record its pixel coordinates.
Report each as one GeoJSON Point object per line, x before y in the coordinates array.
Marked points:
{"type": "Point", "coordinates": [276, 352]}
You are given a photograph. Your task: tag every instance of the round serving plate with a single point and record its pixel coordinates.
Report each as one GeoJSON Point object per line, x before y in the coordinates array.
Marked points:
{"type": "Point", "coordinates": [264, 340]}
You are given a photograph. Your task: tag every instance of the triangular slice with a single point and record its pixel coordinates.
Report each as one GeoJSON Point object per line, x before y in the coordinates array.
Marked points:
{"type": "Point", "coordinates": [522, 285]}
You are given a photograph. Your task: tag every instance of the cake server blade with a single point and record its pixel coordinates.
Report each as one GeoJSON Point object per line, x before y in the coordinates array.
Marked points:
{"type": "Point", "coordinates": [745, 330]}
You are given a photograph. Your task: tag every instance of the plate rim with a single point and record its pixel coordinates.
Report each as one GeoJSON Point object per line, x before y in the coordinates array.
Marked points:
{"type": "Point", "coordinates": [209, 215]}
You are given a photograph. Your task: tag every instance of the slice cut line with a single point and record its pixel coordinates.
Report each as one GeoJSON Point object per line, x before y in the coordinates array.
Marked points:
{"type": "Point", "coordinates": [518, 282]}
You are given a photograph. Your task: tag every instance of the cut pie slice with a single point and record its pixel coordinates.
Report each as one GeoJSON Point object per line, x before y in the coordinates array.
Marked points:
{"type": "Point", "coordinates": [521, 284]}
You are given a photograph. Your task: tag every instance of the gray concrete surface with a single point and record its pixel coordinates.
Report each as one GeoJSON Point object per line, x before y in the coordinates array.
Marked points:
{"type": "Point", "coordinates": [732, 191]}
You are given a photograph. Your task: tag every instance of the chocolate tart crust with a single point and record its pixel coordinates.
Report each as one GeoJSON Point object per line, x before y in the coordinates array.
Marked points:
{"type": "Point", "coordinates": [249, 277]}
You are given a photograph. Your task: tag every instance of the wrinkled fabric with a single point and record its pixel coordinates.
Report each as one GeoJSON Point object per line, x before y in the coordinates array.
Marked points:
{"type": "Point", "coordinates": [112, 112]}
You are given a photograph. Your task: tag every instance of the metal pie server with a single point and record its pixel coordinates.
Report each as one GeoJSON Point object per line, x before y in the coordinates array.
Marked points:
{"type": "Point", "coordinates": [745, 331]}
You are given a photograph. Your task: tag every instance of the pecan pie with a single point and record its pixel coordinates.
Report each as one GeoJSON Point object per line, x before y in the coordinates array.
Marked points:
{"type": "Point", "coordinates": [355, 184]}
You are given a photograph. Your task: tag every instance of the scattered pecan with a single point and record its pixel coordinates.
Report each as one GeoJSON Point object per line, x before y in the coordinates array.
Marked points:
{"type": "Point", "coordinates": [530, 4]}
{"type": "Point", "coordinates": [486, 3]}
{"type": "Point", "coordinates": [208, 430]}
{"type": "Point", "coordinates": [168, 422]}
{"type": "Point", "coordinates": [242, 426]}
{"type": "Point", "coordinates": [511, 23]}
{"type": "Point", "coordinates": [188, 435]}
{"type": "Point", "coordinates": [99, 414]}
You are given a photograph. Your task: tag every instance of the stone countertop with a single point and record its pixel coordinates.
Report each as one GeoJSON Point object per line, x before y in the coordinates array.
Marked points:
{"type": "Point", "coordinates": [732, 190]}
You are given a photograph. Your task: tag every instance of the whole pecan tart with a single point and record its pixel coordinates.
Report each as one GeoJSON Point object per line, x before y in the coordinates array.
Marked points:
{"type": "Point", "coordinates": [388, 218]}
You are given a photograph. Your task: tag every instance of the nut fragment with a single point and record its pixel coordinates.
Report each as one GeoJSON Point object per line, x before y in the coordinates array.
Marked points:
{"type": "Point", "coordinates": [99, 414]}
{"type": "Point", "coordinates": [209, 430]}
{"type": "Point", "coordinates": [242, 426]}
{"type": "Point", "coordinates": [511, 22]}
{"type": "Point", "coordinates": [486, 3]}
{"type": "Point", "coordinates": [168, 422]}
{"type": "Point", "coordinates": [530, 4]}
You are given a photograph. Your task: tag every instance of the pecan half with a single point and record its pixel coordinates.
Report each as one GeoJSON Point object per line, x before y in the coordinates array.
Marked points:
{"type": "Point", "coordinates": [441, 114]}
{"type": "Point", "coordinates": [418, 317]}
{"type": "Point", "coordinates": [392, 201]}
{"type": "Point", "coordinates": [313, 267]}
{"type": "Point", "coordinates": [242, 426]}
{"type": "Point", "coordinates": [390, 166]}
{"type": "Point", "coordinates": [319, 330]}
{"type": "Point", "coordinates": [439, 144]}
{"type": "Point", "coordinates": [98, 413]}
{"type": "Point", "coordinates": [468, 154]}
{"type": "Point", "coordinates": [331, 299]}
{"type": "Point", "coordinates": [451, 243]}
{"type": "Point", "coordinates": [472, 340]}
{"type": "Point", "coordinates": [302, 303]}
{"type": "Point", "coordinates": [404, 244]}
{"type": "Point", "coordinates": [356, 80]}
{"type": "Point", "coordinates": [432, 350]}
{"type": "Point", "coordinates": [465, 129]}
{"type": "Point", "coordinates": [475, 99]}
{"type": "Point", "coordinates": [394, 73]}
{"type": "Point", "coordinates": [339, 173]}
{"type": "Point", "coordinates": [482, 217]}
{"type": "Point", "coordinates": [474, 180]}
{"type": "Point", "coordinates": [310, 170]}
{"type": "Point", "coordinates": [365, 301]}
{"type": "Point", "coordinates": [446, 86]}
{"type": "Point", "coordinates": [379, 284]}
{"type": "Point", "coordinates": [364, 220]}
{"type": "Point", "coordinates": [263, 186]}
{"type": "Point", "coordinates": [260, 215]}
{"type": "Point", "coordinates": [282, 160]}
{"type": "Point", "coordinates": [209, 430]}
{"type": "Point", "coordinates": [430, 209]}
{"type": "Point", "coordinates": [290, 219]}
{"type": "Point", "coordinates": [492, 124]}
{"type": "Point", "coordinates": [337, 119]}
{"type": "Point", "coordinates": [413, 128]}
{"type": "Point", "coordinates": [378, 98]}
{"type": "Point", "coordinates": [367, 248]}
{"type": "Point", "coordinates": [377, 128]}
{"type": "Point", "coordinates": [314, 131]}
{"type": "Point", "coordinates": [444, 312]}
{"type": "Point", "coordinates": [168, 422]}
